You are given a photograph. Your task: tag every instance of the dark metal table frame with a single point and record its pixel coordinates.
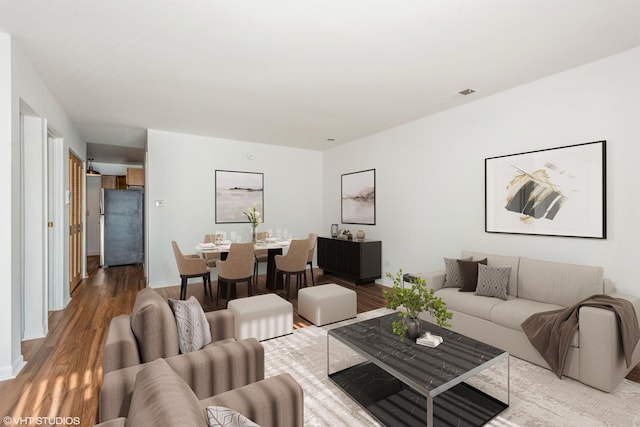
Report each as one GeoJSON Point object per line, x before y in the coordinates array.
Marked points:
{"type": "Point", "coordinates": [428, 372]}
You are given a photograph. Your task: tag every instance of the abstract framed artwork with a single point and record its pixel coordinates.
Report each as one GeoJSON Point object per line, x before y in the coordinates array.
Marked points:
{"type": "Point", "coordinates": [553, 192]}
{"type": "Point", "coordinates": [359, 197]}
{"type": "Point", "coordinates": [237, 192]}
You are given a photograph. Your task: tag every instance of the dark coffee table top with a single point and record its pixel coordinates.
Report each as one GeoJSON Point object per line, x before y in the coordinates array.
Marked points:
{"type": "Point", "coordinates": [429, 371]}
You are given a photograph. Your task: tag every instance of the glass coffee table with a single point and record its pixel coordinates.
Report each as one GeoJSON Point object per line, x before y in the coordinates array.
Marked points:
{"type": "Point", "coordinates": [403, 383]}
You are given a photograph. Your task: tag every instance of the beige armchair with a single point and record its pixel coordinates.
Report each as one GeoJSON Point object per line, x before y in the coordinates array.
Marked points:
{"type": "Point", "coordinates": [164, 393]}
{"type": "Point", "coordinates": [313, 238]}
{"type": "Point", "coordinates": [294, 263]}
{"type": "Point", "coordinates": [150, 332]}
{"type": "Point", "coordinates": [190, 266]}
{"type": "Point", "coordinates": [237, 268]}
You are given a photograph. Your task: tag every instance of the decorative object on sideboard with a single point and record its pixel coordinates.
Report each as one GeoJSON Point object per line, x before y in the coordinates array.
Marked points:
{"type": "Point", "coordinates": [334, 230]}
{"type": "Point", "coordinates": [415, 299]}
{"type": "Point", "coordinates": [360, 234]}
{"type": "Point", "coordinates": [345, 235]}
{"type": "Point", "coordinates": [358, 202]}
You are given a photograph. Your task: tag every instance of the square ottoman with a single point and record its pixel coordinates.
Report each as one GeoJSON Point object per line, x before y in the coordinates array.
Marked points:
{"type": "Point", "coordinates": [325, 304]}
{"type": "Point", "coordinates": [261, 317]}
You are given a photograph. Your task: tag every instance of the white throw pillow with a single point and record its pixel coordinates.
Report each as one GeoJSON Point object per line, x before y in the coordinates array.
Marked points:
{"type": "Point", "coordinates": [193, 328]}
{"type": "Point", "coordinates": [219, 416]}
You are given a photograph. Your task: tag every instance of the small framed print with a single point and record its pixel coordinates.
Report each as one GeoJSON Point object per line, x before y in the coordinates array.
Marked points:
{"type": "Point", "coordinates": [359, 197]}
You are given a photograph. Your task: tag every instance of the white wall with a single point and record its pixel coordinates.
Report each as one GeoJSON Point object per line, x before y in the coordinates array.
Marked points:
{"type": "Point", "coordinates": [430, 173]}
{"type": "Point", "coordinates": [28, 88]}
{"type": "Point", "coordinates": [10, 357]}
{"type": "Point", "coordinates": [181, 173]}
{"type": "Point", "coordinates": [36, 304]}
{"type": "Point", "coordinates": [21, 86]}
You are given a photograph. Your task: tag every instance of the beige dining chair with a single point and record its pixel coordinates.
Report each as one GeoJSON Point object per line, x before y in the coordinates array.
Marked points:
{"type": "Point", "coordinates": [212, 258]}
{"type": "Point", "coordinates": [190, 266]}
{"type": "Point", "coordinates": [313, 238]}
{"type": "Point", "coordinates": [262, 255]}
{"type": "Point", "coordinates": [237, 268]}
{"type": "Point", "coordinates": [294, 263]}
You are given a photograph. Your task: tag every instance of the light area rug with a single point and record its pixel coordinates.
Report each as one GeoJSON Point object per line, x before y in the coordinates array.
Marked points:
{"type": "Point", "coordinates": [537, 396]}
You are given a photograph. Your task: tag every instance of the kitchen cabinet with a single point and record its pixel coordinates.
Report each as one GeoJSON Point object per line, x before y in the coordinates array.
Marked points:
{"type": "Point", "coordinates": [135, 177]}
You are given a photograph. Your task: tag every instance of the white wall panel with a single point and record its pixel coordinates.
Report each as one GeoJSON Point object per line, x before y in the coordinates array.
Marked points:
{"type": "Point", "coordinates": [181, 173]}
{"type": "Point", "coordinates": [430, 173]}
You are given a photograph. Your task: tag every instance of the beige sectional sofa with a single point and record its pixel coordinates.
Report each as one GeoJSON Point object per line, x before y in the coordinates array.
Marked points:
{"type": "Point", "coordinates": [595, 355]}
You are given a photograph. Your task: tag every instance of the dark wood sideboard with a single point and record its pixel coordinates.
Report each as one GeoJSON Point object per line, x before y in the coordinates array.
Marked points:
{"type": "Point", "coordinates": [358, 261]}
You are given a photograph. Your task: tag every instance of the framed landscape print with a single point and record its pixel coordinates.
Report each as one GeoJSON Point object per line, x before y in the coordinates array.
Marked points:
{"type": "Point", "coordinates": [553, 192]}
{"type": "Point", "coordinates": [359, 197]}
{"type": "Point", "coordinates": [237, 192]}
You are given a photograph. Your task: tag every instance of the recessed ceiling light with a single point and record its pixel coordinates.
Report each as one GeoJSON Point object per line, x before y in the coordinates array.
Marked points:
{"type": "Point", "coordinates": [466, 92]}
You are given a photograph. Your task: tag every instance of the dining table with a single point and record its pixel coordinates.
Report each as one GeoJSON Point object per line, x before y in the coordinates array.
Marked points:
{"type": "Point", "coordinates": [273, 246]}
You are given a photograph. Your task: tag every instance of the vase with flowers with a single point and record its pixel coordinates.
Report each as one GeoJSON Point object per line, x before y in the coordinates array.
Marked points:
{"type": "Point", "coordinates": [415, 298]}
{"type": "Point", "coordinates": [253, 216]}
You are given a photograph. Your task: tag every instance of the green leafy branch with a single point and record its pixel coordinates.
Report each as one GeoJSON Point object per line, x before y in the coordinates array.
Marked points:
{"type": "Point", "coordinates": [415, 299]}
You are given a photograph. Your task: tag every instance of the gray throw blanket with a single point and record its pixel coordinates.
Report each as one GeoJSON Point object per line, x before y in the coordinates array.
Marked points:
{"type": "Point", "coordinates": [550, 332]}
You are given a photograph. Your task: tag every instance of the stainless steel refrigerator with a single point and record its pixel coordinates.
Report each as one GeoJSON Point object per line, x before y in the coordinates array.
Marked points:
{"type": "Point", "coordinates": [121, 227]}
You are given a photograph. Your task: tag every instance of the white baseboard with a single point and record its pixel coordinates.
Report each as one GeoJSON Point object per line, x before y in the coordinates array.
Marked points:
{"type": "Point", "coordinates": [10, 372]}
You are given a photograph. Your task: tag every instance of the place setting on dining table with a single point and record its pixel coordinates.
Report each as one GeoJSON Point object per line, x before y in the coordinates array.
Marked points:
{"type": "Point", "coordinates": [223, 244]}
{"type": "Point", "coordinates": [272, 245]}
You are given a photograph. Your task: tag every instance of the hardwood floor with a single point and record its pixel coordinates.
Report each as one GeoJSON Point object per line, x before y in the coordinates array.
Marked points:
{"type": "Point", "coordinates": [63, 374]}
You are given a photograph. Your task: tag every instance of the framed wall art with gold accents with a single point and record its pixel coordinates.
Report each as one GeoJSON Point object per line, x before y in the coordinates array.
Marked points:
{"type": "Point", "coordinates": [552, 192]}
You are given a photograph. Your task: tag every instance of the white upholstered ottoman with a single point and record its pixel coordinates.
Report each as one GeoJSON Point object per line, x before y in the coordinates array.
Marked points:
{"type": "Point", "coordinates": [325, 304]}
{"type": "Point", "coordinates": [262, 316]}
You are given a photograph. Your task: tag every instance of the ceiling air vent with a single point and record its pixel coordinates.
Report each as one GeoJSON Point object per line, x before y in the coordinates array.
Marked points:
{"type": "Point", "coordinates": [466, 92]}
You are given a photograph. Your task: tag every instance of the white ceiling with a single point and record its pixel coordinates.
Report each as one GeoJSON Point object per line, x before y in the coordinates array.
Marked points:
{"type": "Point", "coordinates": [296, 72]}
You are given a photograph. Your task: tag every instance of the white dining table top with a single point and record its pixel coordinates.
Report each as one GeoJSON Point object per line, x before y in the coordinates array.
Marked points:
{"type": "Point", "coordinates": [225, 246]}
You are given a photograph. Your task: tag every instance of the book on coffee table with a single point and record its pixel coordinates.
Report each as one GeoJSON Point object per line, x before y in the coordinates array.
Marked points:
{"type": "Point", "coordinates": [429, 340]}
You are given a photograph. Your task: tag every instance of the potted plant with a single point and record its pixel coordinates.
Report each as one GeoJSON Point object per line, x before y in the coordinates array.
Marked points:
{"type": "Point", "coordinates": [415, 299]}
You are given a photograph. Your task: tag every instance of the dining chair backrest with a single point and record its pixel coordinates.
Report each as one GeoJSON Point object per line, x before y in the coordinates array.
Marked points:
{"type": "Point", "coordinates": [239, 262]}
{"type": "Point", "coordinates": [211, 256]}
{"type": "Point", "coordinates": [188, 265]}
{"type": "Point", "coordinates": [313, 238]}
{"type": "Point", "coordinates": [261, 254]}
{"type": "Point", "coordinates": [296, 257]}
{"type": "Point", "coordinates": [213, 238]}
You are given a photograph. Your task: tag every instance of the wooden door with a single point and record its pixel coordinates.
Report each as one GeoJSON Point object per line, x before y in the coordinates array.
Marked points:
{"type": "Point", "coordinates": [76, 219]}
